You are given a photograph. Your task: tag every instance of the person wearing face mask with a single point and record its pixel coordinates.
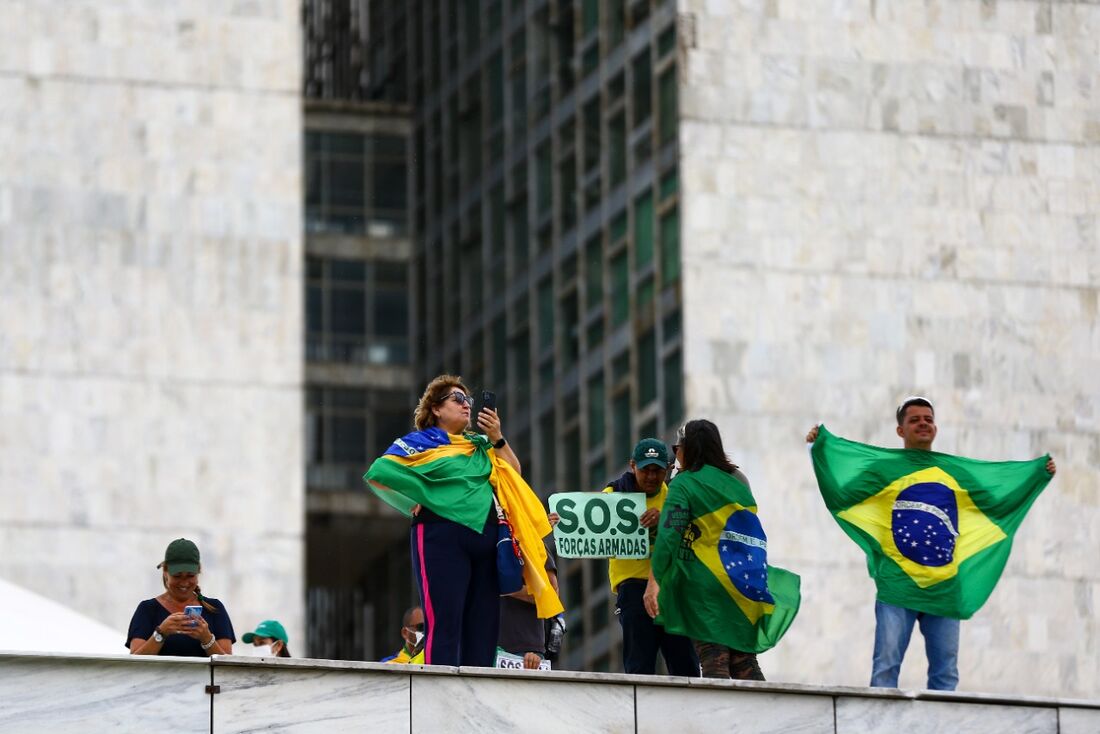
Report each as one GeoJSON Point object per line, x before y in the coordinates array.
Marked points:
{"type": "Point", "coordinates": [161, 626]}
{"type": "Point", "coordinates": [269, 640]}
{"type": "Point", "coordinates": [412, 636]}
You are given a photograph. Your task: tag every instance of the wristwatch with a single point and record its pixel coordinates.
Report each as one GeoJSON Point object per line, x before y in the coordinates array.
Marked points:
{"type": "Point", "coordinates": [500, 444]}
{"type": "Point", "coordinates": [157, 636]}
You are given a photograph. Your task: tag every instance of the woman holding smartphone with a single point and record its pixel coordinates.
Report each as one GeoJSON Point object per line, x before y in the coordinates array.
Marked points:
{"type": "Point", "coordinates": [450, 480]}
{"type": "Point", "coordinates": [181, 621]}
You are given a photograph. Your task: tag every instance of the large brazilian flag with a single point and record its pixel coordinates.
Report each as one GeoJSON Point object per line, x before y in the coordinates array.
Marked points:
{"type": "Point", "coordinates": [937, 529]}
{"type": "Point", "coordinates": [711, 561]}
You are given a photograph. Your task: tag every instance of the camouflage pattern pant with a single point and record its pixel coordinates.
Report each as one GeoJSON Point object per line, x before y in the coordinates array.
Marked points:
{"type": "Point", "coordinates": [719, 661]}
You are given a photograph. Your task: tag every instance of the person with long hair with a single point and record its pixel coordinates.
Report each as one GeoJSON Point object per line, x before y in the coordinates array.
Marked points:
{"type": "Point", "coordinates": [711, 580]}
{"type": "Point", "coordinates": [161, 625]}
{"type": "Point", "coordinates": [450, 480]}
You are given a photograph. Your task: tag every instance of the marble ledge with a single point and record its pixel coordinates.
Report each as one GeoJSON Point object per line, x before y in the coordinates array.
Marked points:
{"type": "Point", "coordinates": [567, 676]}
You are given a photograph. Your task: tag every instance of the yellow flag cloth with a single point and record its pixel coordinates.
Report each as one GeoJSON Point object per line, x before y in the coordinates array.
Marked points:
{"type": "Point", "coordinates": [528, 518]}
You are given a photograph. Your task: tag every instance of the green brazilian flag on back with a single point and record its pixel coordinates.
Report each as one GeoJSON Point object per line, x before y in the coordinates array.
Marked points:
{"type": "Point", "coordinates": [711, 561]}
{"type": "Point", "coordinates": [937, 529]}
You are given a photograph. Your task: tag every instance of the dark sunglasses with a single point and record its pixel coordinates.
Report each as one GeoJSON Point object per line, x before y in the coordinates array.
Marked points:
{"type": "Point", "coordinates": [460, 397]}
{"type": "Point", "coordinates": [415, 627]}
{"type": "Point", "coordinates": [675, 447]}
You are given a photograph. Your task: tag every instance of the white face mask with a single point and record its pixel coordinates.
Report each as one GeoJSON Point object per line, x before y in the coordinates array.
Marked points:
{"type": "Point", "coordinates": [259, 651]}
{"type": "Point", "coordinates": [418, 636]}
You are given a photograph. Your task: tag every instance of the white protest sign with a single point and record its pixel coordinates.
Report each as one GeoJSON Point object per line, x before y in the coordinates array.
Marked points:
{"type": "Point", "coordinates": [515, 662]}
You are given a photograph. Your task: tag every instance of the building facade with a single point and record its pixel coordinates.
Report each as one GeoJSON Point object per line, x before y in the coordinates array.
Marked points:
{"type": "Point", "coordinates": [888, 198]}
{"type": "Point", "coordinates": [151, 303]}
{"type": "Point", "coordinates": [358, 369]}
{"type": "Point", "coordinates": [546, 261]}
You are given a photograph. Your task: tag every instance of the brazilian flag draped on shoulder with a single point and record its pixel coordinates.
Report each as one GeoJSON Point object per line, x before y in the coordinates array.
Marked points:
{"type": "Point", "coordinates": [454, 476]}
{"type": "Point", "coordinates": [937, 529]}
{"type": "Point", "coordinates": [711, 561]}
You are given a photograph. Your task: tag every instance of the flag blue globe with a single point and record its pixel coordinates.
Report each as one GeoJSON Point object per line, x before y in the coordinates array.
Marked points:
{"type": "Point", "coordinates": [743, 550]}
{"type": "Point", "coordinates": [925, 522]}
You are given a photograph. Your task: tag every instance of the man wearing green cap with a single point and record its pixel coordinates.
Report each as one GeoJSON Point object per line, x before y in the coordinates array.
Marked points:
{"type": "Point", "coordinates": [270, 634]}
{"type": "Point", "coordinates": [642, 638]}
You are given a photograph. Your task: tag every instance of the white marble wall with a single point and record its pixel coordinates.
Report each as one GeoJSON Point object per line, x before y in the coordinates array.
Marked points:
{"type": "Point", "coordinates": [61, 694]}
{"type": "Point", "coordinates": [898, 197]}
{"type": "Point", "coordinates": [150, 301]}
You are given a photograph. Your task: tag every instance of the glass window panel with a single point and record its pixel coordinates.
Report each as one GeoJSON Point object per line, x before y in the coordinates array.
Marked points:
{"type": "Point", "coordinates": [643, 94]}
{"type": "Point", "coordinates": [569, 193]}
{"type": "Point", "coordinates": [339, 398]}
{"type": "Point", "coordinates": [618, 227]}
{"type": "Point", "coordinates": [674, 390]}
{"type": "Point", "coordinates": [590, 61]}
{"type": "Point", "coordinates": [647, 368]}
{"type": "Point", "coordinates": [592, 134]}
{"type": "Point", "coordinates": [620, 290]}
{"type": "Point", "coordinates": [616, 133]}
{"type": "Point", "coordinates": [670, 183]}
{"type": "Point", "coordinates": [546, 314]}
{"type": "Point", "coordinates": [646, 291]}
{"type": "Point", "coordinates": [345, 185]}
{"type": "Point", "coordinates": [670, 247]}
{"type": "Point", "coordinates": [597, 473]}
{"type": "Point", "coordinates": [390, 186]}
{"type": "Point", "coordinates": [620, 366]}
{"type": "Point", "coordinates": [391, 313]}
{"type": "Point", "coordinates": [591, 15]}
{"type": "Point", "coordinates": [314, 310]}
{"type": "Point", "coordinates": [343, 144]}
{"type": "Point", "coordinates": [671, 326]}
{"type": "Point", "coordinates": [595, 334]}
{"type": "Point", "coordinates": [616, 22]}
{"type": "Point", "coordinates": [593, 271]}
{"type": "Point", "coordinates": [643, 231]}
{"type": "Point", "coordinates": [496, 88]}
{"type": "Point", "coordinates": [667, 40]}
{"type": "Point", "coordinates": [472, 25]}
{"type": "Point", "coordinates": [571, 330]}
{"type": "Point", "coordinates": [349, 439]}
{"type": "Point", "coordinates": [545, 179]}
{"type": "Point", "coordinates": [667, 99]}
{"type": "Point", "coordinates": [621, 429]}
{"type": "Point", "coordinates": [391, 273]}
{"type": "Point", "coordinates": [520, 243]}
{"type": "Point", "coordinates": [500, 356]}
{"type": "Point", "coordinates": [596, 407]}
{"type": "Point", "coordinates": [347, 311]}
{"type": "Point", "coordinates": [549, 444]}
{"type": "Point", "coordinates": [571, 446]}
{"type": "Point", "coordinates": [348, 271]}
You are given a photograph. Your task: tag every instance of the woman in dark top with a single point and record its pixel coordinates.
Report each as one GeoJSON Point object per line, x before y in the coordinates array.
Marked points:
{"type": "Point", "coordinates": [160, 626]}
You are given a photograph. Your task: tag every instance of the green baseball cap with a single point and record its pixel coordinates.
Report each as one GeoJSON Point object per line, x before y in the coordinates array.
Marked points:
{"type": "Point", "coordinates": [266, 628]}
{"type": "Point", "coordinates": [650, 451]}
{"type": "Point", "coordinates": [181, 556]}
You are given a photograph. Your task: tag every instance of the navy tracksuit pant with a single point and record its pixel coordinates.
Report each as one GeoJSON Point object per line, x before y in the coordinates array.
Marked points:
{"type": "Point", "coordinates": [456, 573]}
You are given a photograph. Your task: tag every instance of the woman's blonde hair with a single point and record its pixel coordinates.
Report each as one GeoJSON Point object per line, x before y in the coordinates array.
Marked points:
{"type": "Point", "coordinates": [436, 392]}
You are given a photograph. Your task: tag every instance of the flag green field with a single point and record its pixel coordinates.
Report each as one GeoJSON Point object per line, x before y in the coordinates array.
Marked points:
{"type": "Point", "coordinates": [937, 529]}
{"type": "Point", "coordinates": [710, 559]}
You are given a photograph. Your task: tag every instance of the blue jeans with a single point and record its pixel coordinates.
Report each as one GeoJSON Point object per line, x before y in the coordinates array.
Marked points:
{"type": "Point", "coordinates": [893, 628]}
